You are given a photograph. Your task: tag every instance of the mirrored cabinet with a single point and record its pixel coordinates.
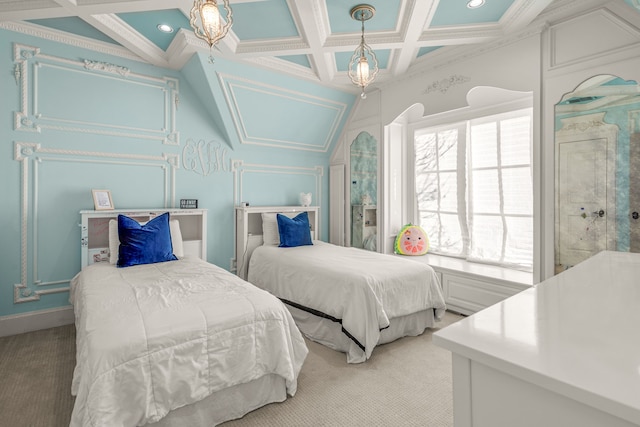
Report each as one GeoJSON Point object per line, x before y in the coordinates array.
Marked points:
{"type": "Point", "coordinates": [364, 191]}
{"type": "Point", "coordinates": [597, 137]}
{"type": "Point", "coordinates": [364, 223]}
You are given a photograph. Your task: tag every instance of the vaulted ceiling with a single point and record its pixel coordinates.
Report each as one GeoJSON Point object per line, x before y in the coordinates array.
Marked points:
{"type": "Point", "coordinates": [311, 39]}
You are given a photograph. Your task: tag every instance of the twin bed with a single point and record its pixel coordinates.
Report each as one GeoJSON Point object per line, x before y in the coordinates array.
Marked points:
{"type": "Point", "coordinates": [176, 342]}
{"type": "Point", "coordinates": [166, 339]}
{"type": "Point", "coordinates": [348, 299]}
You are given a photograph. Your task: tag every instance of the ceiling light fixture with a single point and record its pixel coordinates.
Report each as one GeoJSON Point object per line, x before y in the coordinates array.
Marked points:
{"type": "Point", "coordinates": [361, 72]}
{"type": "Point", "coordinates": [473, 4]}
{"type": "Point", "coordinates": [207, 23]}
{"type": "Point", "coordinates": [165, 28]}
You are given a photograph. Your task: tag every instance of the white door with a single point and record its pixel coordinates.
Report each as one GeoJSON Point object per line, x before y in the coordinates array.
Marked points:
{"type": "Point", "coordinates": [582, 199]}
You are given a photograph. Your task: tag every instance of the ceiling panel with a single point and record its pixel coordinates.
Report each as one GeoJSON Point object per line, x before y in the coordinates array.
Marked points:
{"type": "Point", "coordinates": [74, 25]}
{"type": "Point", "coordinates": [316, 36]}
{"type": "Point", "coordinates": [456, 12]}
{"type": "Point", "coordinates": [268, 19]}
{"type": "Point", "coordinates": [384, 19]}
{"type": "Point", "coordinates": [146, 23]}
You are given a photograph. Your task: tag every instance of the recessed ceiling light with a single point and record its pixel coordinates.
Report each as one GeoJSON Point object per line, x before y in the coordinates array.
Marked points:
{"type": "Point", "coordinates": [165, 28]}
{"type": "Point", "coordinates": [475, 3]}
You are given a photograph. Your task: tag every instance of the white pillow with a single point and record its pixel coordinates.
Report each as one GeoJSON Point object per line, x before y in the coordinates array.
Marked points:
{"type": "Point", "coordinates": [114, 240]}
{"type": "Point", "coordinates": [176, 238]}
{"type": "Point", "coordinates": [270, 232]}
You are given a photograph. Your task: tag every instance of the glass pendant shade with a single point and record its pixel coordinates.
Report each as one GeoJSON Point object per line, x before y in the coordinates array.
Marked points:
{"type": "Point", "coordinates": [363, 66]}
{"type": "Point", "coordinates": [206, 21]}
{"type": "Point", "coordinates": [210, 20]}
{"type": "Point", "coordinates": [363, 70]}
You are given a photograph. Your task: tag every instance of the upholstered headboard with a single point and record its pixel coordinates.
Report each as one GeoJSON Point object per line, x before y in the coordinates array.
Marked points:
{"type": "Point", "coordinates": [95, 231]}
{"type": "Point", "coordinates": [249, 229]}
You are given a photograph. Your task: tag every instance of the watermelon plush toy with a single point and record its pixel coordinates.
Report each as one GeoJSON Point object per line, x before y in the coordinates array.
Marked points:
{"type": "Point", "coordinates": [411, 240]}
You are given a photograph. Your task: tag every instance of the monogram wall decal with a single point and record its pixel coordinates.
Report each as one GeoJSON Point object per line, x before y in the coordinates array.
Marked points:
{"type": "Point", "coordinates": [204, 157]}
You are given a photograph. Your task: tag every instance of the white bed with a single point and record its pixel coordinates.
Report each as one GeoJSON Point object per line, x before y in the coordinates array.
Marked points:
{"type": "Point", "coordinates": [349, 299]}
{"type": "Point", "coordinates": [178, 343]}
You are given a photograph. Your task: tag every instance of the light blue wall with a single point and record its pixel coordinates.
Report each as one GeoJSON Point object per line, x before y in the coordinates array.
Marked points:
{"type": "Point", "coordinates": [107, 130]}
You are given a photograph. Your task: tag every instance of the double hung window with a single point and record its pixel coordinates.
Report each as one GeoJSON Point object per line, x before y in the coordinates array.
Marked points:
{"type": "Point", "coordinates": [474, 188]}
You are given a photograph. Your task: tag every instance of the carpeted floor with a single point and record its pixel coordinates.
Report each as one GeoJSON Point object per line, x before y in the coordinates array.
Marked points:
{"type": "Point", "coordinates": [405, 383]}
{"type": "Point", "coordinates": [36, 369]}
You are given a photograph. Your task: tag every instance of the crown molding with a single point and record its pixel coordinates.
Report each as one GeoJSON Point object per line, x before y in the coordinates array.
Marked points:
{"type": "Point", "coordinates": [70, 39]}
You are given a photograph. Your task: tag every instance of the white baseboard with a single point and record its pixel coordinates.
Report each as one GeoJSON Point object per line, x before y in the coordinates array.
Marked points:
{"type": "Point", "coordinates": [36, 320]}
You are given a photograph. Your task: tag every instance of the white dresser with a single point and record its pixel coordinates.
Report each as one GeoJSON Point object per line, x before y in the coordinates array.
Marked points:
{"type": "Point", "coordinates": [563, 353]}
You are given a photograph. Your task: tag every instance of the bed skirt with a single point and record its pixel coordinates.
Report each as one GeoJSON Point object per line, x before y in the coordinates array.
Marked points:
{"type": "Point", "coordinates": [329, 333]}
{"type": "Point", "coordinates": [228, 404]}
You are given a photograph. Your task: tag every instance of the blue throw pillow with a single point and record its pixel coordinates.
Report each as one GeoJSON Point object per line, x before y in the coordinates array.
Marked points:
{"type": "Point", "coordinates": [144, 244]}
{"type": "Point", "coordinates": [294, 231]}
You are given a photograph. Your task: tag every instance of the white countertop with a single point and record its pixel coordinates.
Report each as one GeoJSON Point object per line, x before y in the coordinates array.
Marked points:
{"type": "Point", "coordinates": [577, 333]}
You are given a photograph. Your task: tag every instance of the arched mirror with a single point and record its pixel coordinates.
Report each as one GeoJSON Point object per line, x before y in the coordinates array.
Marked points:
{"type": "Point", "coordinates": [364, 191]}
{"type": "Point", "coordinates": [597, 148]}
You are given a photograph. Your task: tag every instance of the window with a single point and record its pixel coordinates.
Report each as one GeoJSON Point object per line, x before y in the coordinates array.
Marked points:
{"type": "Point", "coordinates": [474, 188]}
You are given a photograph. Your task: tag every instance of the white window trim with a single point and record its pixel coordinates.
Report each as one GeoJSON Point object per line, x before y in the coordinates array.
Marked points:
{"type": "Point", "coordinates": [470, 113]}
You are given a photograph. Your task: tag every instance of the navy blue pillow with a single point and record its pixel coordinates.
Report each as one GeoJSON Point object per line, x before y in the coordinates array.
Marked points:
{"type": "Point", "coordinates": [144, 244]}
{"type": "Point", "coordinates": [294, 231]}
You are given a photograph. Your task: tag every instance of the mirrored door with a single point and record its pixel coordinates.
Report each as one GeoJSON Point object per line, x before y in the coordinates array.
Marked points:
{"type": "Point", "coordinates": [364, 191]}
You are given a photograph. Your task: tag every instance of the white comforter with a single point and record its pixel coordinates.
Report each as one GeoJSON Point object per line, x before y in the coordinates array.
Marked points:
{"type": "Point", "coordinates": [363, 289]}
{"type": "Point", "coordinates": [153, 338]}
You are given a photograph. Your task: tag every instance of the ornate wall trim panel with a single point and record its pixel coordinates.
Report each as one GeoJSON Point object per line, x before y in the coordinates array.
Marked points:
{"type": "Point", "coordinates": [69, 39]}
{"type": "Point", "coordinates": [77, 96]}
{"type": "Point", "coordinates": [33, 158]}
{"type": "Point", "coordinates": [564, 50]}
{"type": "Point", "coordinates": [241, 170]}
{"type": "Point", "coordinates": [277, 117]}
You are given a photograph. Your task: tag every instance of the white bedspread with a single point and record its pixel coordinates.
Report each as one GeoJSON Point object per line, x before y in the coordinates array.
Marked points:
{"type": "Point", "coordinates": [153, 338]}
{"type": "Point", "coordinates": [363, 289]}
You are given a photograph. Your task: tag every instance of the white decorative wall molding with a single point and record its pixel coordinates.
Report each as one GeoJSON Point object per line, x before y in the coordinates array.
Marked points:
{"type": "Point", "coordinates": [205, 158]}
{"type": "Point", "coordinates": [70, 39]}
{"type": "Point", "coordinates": [445, 84]}
{"type": "Point", "coordinates": [565, 50]}
{"type": "Point", "coordinates": [334, 111]}
{"type": "Point", "coordinates": [105, 66]}
{"type": "Point", "coordinates": [31, 63]}
{"type": "Point", "coordinates": [240, 169]}
{"type": "Point", "coordinates": [33, 157]}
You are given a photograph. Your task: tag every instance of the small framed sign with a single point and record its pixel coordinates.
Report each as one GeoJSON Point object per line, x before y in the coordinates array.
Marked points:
{"type": "Point", "coordinates": [188, 203]}
{"type": "Point", "coordinates": [102, 200]}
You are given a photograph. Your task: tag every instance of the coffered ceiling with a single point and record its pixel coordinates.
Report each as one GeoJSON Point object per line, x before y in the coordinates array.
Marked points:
{"type": "Point", "coordinates": [311, 39]}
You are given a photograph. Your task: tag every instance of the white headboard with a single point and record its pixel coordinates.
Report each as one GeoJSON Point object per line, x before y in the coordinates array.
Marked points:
{"type": "Point", "coordinates": [249, 230]}
{"type": "Point", "coordinates": [95, 231]}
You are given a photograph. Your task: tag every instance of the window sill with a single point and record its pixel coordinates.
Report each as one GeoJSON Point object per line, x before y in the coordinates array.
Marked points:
{"type": "Point", "coordinates": [481, 271]}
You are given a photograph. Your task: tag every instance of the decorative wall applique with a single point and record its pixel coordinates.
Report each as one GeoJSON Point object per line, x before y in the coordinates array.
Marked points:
{"type": "Point", "coordinates": [445, 84]}
{"type": "Point", "coordinates": [204, 158]}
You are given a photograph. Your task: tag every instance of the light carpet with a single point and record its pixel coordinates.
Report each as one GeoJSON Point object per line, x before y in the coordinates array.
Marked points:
{"type": "Point", "coordinates": [405, 383]}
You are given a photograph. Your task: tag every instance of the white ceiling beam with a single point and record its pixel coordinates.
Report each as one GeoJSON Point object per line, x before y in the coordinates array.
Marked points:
{"type": "Point", "coordinates": [68, 8]}
{"type": "Point", "coordinates": [522, 13]}
{"type": "Point", "coordinates": [119, 31]}
{"type": "Point", "coordinates": [460, 35]}
{"type": "Point", "coordinates": [415, 19]}
{"type": "Point", "coordinates": [314, 28]}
